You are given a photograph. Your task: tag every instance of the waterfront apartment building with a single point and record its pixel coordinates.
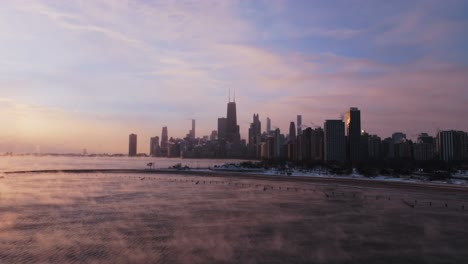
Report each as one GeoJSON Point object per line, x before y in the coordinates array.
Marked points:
{"type": "Point", "coordinates": [132, 145]}
{"type": "Point", "coordinates": [154, 147]}
{"type": "Point", "coordinates": [353, 134]}
{"type": "Point", "coordinates": [334, 139]}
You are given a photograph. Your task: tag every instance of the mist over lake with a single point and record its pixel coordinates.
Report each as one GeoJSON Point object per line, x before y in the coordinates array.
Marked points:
{"type": "Point", "coordinates": [147, 218]}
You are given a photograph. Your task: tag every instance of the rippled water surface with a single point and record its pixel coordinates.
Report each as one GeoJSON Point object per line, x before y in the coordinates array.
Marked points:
{"type": "Point", "coordinates": [15, 163]}
{"type": "Point", "coordinates": [157, 218]}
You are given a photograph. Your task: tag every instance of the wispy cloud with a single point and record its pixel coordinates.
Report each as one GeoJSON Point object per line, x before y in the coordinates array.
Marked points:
{"type": "Point", "coordinates": [142, 65]}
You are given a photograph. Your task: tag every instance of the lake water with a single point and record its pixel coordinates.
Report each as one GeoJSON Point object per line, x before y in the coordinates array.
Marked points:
{"type": "Point", "coordinates": [14, 163]}
{"type": "Point", "coordinates": [159, 218]}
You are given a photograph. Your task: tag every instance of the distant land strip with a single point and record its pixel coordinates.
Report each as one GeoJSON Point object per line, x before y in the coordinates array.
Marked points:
{"type": "Point", "coordinates": [367, 182]}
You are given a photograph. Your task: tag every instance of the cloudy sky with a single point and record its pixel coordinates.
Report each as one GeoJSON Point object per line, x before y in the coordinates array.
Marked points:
{"type": "Point", "coordinates": [85, 74]}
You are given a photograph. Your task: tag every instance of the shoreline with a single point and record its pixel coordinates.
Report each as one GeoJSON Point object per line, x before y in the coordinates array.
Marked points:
{"type": "Point", "coordinates": [205, 172]}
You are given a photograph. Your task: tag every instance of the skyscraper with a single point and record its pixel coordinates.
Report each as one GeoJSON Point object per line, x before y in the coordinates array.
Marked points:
{"type": "Point", "coordinates": [268, 125]}
{"type": "Point", "coordinates": [396, 139]}
{"type": "Point", "coordinates": [192, 132]}
{"type": "Point", "coordinates": [154, 146]}
{"type": "Point", "coordinates": [132, 145]}
{"type": "Point", "coordinates": [353, 133]}
{"type": "Point", "coordinates": [299, 125]}
{"type": "Point", "coordinates": [164, 140]}
{"type": "Point", "coordinates": [277, 143]}
{"type": "Point", "coordinates": [292, 148]}
{"type": "Point", "coordinates": [317, 144]}
{"type": "Point", "coordinates": [445, 146]}
{"type": "Point", "coordinates": [232, 129]}
{"type": "Point", "coordinates": [255, 131]}
{"type": "Point", "coordinates": [222, 123]}
{"type": "Point", "coordinates": [292, 132]}
{"type": "Point", "coordinates": [335, 143]}
{"type": "Point", "coordinates": [374, 143]}
{"type": "Point", "coordinates": [424, 148]}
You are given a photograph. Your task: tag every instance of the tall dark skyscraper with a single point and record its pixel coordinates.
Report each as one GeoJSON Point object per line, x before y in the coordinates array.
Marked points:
{"type": "Point", "coordinates": [268, 125]}
{"type": "Point", "coordinates": [154, 146]}
{"type": "Point", "coordinates": [164, 140]}
{"type": "Point", "coordinates": [353, 133]}
{"type": "Point", "coordinates": [335, 143]}
{"type": "Point", "coordinates": [132, 145]}
{"type": "Point", "coordinates": [232, 129]}
{"type": "Point", "coordinates": [299, 125]}
{"type": "Point", "coordinates": [445, 146]}
{"type": "Point", "coordinates": [317, 144]}
{"type": "Point", "coordinates": [222, 124]}
{"type": "Point", "coordinates": [192, 132]}
{"type": "Point", "coordinates": [292, 132]}
{"type": "Point", "coordinates": [255, 131]}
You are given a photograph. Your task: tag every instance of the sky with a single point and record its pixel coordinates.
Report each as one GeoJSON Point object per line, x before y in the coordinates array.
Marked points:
{"type": "Point", "coordinates": [85, 74]}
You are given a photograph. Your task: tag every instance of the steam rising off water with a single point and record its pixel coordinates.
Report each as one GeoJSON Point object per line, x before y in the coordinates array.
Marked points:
{"type": "Point", "coordinates": [141, 218]}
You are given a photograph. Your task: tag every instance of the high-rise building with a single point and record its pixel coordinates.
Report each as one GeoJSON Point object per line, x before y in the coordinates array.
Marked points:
{"type": "Point", "coordinates": [299, 125]}
{"type": "Point", "coordinates": [307, 144]}
{"type": "Point", "coordinates": [445, 145]}
{"type": "Point", "coordinates": [164, 141]}
{"type": "Point", "coordinates": [255, 131]}
{"type": "Point", "coordinates": [268, 126]}
{"type": "Point", "coordinates": [222, 128]}
{"type": "Point", "coordinates": [397, 138]}
{"type": "Point", "coordinates": [291, 153]}
{"type": "Point", "coordinates": [335, 143]}
{"type": "Point", "coordinates": [192, 132]}
{"type": "Point", "coordinates": [154, 146]}
{"type": "Point", "coordinates": [374, 143]}
{"type": "Point", "coordinates": [292, 132]}
{"type": "Point", "coordinates": [353, 134]}
{"type": "Point", "coordinates": [214, 135]}
{"type": "Point", "coordinates": [364, 147]}
{"type": "Point", "coordinates": [132, 145]}
{"type": "Point", "coordinates": [424, 148]}
{"type": "Point", "coordinates": [277, 144]}
{"type": "Point", "coordinates": [317, 142]}
{"type": "Point", "coordinates": [404, 150]}
{"type": "Point", "coordinates": [232, 129]}
{"type": "Point", "coordinates": [460, 142]}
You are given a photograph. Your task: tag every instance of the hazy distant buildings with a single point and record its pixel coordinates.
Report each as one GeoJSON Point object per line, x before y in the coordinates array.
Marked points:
{"type": "Point", "coordinates": [317, 144]}
{"type": "Point", "coordinates": [339, 141]}
{"type": "Point", "coordinates": [268, 126]}
{"type": "Point", "coordinates": [335, 143]}
{"type": "Point", "coordinates": [424, 148]}
{"type": "Point", "coordinates": [374, 147]}
{"type": "Point", "coordinates": [291, 150]}
{"type": "Point", "coordinates": [192, 132]}
{"type": "Point", "coordinates": [397, 138]}
{"type": "Point", "coordinates": [299, 125]}
{"type": "Point", "coordinates": [132, 145]}
{"type": "Point", "coordinates": [277, 142]}
{"type": "Point", "coordinates": [214, 135]}
{"type": "Point", "coordinates": [164, 141]}
{"type": "Point", "coordinates": [353, 134]}
{"type": "Point", "coordinates": [154, 147]}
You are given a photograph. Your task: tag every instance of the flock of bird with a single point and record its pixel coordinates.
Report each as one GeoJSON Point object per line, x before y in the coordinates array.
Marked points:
{"type": "Point", "coordinates": [318, 188]}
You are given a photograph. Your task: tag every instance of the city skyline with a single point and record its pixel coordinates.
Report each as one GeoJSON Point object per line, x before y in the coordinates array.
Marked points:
{"type": "Point", "coordinates": [84, 75]}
